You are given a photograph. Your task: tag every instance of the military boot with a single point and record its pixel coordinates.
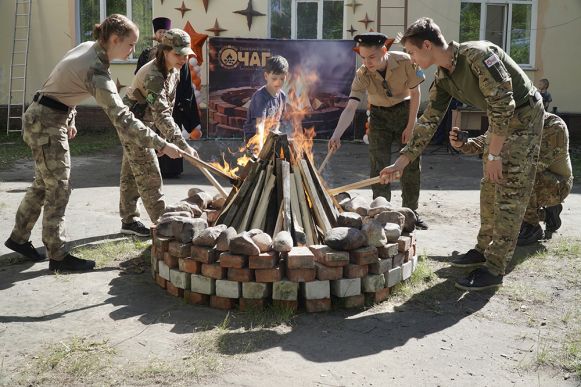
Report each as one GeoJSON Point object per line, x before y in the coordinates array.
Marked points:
{"type": "Point", "coordinates": [529, 234]}
{"type": "Point", "coordinates": [553, 218]}
{"type": "Point", "coordinates": [26, 249]}
{"type": "Point", "coordinates": [479, 279]}
{"type": "Point", "coordinates": [473, 258]}
{"type": "Point", "coordinates": [71, 263]}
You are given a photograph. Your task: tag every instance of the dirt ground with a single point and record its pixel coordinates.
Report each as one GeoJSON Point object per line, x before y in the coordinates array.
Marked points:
{"type": "Point", "coordinates": [115, 326]}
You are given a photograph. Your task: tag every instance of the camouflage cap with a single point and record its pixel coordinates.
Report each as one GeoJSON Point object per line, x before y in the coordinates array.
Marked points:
{"type": "Point", "coordinates": [178, 40]}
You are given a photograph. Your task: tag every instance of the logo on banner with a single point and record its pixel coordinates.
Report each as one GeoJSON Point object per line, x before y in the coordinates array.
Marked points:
{"type": "Point", "coordinates": [231, 57]}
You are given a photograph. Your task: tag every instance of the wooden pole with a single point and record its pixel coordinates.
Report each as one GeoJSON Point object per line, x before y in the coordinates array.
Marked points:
{"type": "Point", "coordinates": [357, 185]}
{"type": "Point", "coordinates": [202, 164]}
{"type": "Point", "coordinates": [305, 212]}
{"type": "Point", "coordinates": [214, 182]}
{"type": "Point", "coordinates": [327, 158]}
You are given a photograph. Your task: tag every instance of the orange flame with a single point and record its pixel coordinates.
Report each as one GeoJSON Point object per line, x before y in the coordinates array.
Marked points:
{"type": "Point", "coordinates": [225, 167]}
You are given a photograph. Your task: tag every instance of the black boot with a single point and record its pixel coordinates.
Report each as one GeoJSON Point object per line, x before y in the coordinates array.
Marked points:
{"type": "Point", "coordinates": [473, 258]}
{"type": "Point", "coordinates": [420, 223]}
{"type": "Point", "coordinates": [26, 249]}
{"type": "Point", "coordinates": [71, 263]}
{"type": "Point", "coordinates": [553, 218]}
{"type": "Point", "coordinates": [135, 228]}
{"type": "Point", "coordinates": [479, 279]}
{"type": "Point", "coordinates": [529, 234]}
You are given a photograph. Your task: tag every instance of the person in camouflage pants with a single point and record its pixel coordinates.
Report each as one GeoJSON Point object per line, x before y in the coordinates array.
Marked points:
{"type": "Point", "coordinates": [49, 123]}
{"type": "Point", "coordinates": [152, 96]}
{"type": "Point", "coordinates": [553, 180]}
{"type": "Point", "coordinates": [481, 74]}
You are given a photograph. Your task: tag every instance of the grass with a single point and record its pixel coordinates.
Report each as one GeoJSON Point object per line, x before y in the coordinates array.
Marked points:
{"type": "Point", "coordinates": [422, 278]}
{"type": "Point", "coordinates": [13, 148]}
{"type": "Point", "coordinates": [133, 250]}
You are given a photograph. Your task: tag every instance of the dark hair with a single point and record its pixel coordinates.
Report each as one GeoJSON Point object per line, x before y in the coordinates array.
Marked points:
{"type": "Point", "coordinates": [370, 45]}
{"type": "Point", "coordinates": [114, 24]}
{"type": "Point", "coordinates": [545, 81]}
{"type": "Point", "coordinates": [276, 65]}
{"type": "Point", "coordinates": [160, 51]}
{"type": "Point", "coordinates": [423, 29]}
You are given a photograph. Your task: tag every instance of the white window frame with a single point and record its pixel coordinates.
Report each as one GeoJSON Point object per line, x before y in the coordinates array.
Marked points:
{"type": "Point", "coordinates": [508, 24]}
{"type": "Point", "coordinates": [102, 16]}
{"type": "Point", "coordinates": [294, 6]}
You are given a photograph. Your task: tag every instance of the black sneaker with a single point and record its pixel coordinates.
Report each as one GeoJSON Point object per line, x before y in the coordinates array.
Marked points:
{"type": "Point", "coordinates": [135, 228]}
{"type": "Point", "coordinates": [26, 249]}
{"type": "Point", "coordinates": [479, 279]}
{"type": "Point", "coordinates": [71, 263]}
{"type": "Point", "coordinates": [420, 223]}
{"type": "Point", "coordinates": [473, 258]}
{"type": "Point", "coordinates": [552, 217]}
{"type": "Point", "coordinates": [529, 234]}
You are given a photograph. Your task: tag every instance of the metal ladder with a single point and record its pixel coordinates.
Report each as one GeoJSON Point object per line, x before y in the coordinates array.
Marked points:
{"type": "Point", "coordinates": [18, 64]}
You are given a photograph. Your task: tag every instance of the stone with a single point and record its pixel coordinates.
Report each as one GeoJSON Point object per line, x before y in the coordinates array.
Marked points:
{"type": "Point", "coordinates": [201, 199]}
{"type": "Point", "coordinates": [373, 282]}
{"type": "Point", "coordinates": [266, 260]}
{"type": "Point", "coordinates": [242, 244]}
{"type": "Point", "coordinates": [194, 190]}
{"type": "Point", "coordinates": [329, 257]}
{"type": "Point", "coordinates": [410, 219]}
{"type": "Point", "coordinates": [315, 290]}
{"type": "Point", "coordinates": [374, 232]}
{"type": "Point", "coordinates": [203, 285]}
{"type": "Point", "coordinates": [392, 232]}
{"type": "Point", "coordinates": [391, 217]}
{"type": "Point", "coordinates": [262, 240]}
{"type": "Point", "coordinates": [326, 273]}
{"type": "Point", "coordinates": [180, 249]}
{"type": "Point", "coordinates": [218, 202]}
{"type": "Point", "coordinates": [285, 290]}
{"type": "Point", "coordinates": [282, 242]}
{"type": "Point", "coordinates": [179, 279]}
{"type": "Point", "coordinates": [345, 238]}
{"type": "Point", "coordinates": [228, 289]}
{"type": "Point", "coordinates": [223, 241]}
{"type": "Point", "coordinates": [359, 205]}
{"type": "Point", "coordinates": [185, 229]}
{"type": "Point", "coordinates": [178, 207]}
{"type": "Point", "coordinates": [209, 236]}
{"type": "Point", "coordinates": [346, 287]}
{"type": "Point", "coordinates": [300, 257]}
{"type": "Point", "coordinates": [164, 226]}
{"type": "Point", "coordinates": [378, 205]}
{"type": "Point", "coordinates": [255, 290]}
{"type": "Point", "coordinates": [163, 270]}
{"type": "Point", "coordinates": [255, 231]}
{"type": "Point", "coordinates": [349, 219]}
{"type": "Point", "coordinates": [342, 198]}
{"type": "Point", "coordinates": [186, 214]}
{"type": "Point", "coordinates": [388, 251]}
{"type": "Point", "coordinates": [406, 270]}
{"type": "Point", "coordinates": [193, 208]}
{"type": "Point", "coordinates": [394, 277]}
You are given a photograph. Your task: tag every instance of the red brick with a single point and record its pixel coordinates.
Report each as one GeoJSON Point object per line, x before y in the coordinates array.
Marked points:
{"type": "Point", "coordinates": [363, 255]}
{"type": "Point", "coordinates": [329, 257]}
{"type": "Point", "coordinates": [398, 259]}
{"type": "Point", "coordinates": [404, 243]}
{"type": "Point", "coordinates": [376, 297]}
{"type": "Point", "coordinates": [161, 243]}
{"type": "Point", "coordinates": [171, 260]}
{"type": "Point", "coordinates": [240, 112]}
{"type": "Point", "coordinates": [180, 250]}
{"type": "Point", "coordinates": [153, 251]}
{"type": "Point", "coordinates": [160, 281]}
{"type": "Point", "coordinates": [240, 275]}
{"type": "Point", "coordinates": [214, 270]}
{"type": "Point", "coordinates": [301, 275]}
{"type": "Point", "coordinates": [300, 257]}
{"type": "Point", "coordinates": [414, 250]}
{"type": "Point", "coordinates": [355, 271]}
{"type": "Point", "coordinates": [408, 255]}
{"type": "Point", "coordinates": [171, 289]}
{"type": "Point", "coordinates": [203, 254]}
{"type": "Point", "coordinates": [412, 236]}
{"type": "Point", "coordinates": [266, 260]}
{"type": "Point", "coordinates": [325, 273]}
{"type": "Point", "coordinates": [223, 302]}
{"type": "Point", "coordinates": [188, 265]}
{"type": "Point", "coordinates": [225, 108]}
{"type": "Point", "coordinates": [357, 301]}
{"type": "Point", "coordinates": [251, 304]}
{"type": "Point", "coordinates": [233, 260]}
{"type": "Point", "coordinates": [196, 298]}
{"type": "Point", "coordinates": [268, 275]}
{"type": "Point", "coordinates": [322, 305]}
{"type": "Point", "coordinates": [285, 304]}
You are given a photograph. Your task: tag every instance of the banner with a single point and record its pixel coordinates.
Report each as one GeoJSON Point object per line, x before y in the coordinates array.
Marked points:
{"type": "Point", "coordinates": [320, 74]}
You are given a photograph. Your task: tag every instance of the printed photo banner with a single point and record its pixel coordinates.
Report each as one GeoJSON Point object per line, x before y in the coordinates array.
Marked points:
{"type": "Point", "coordinates": [319, 81]}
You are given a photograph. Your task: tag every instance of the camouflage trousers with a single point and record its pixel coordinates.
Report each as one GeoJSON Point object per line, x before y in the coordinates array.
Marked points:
{"type": "Point", "coordinates": [502, 205]}
{"type": "Point", "coordinates": [549, 190]}
{"type": "Point", "coordinates": [46, 133]}
{"type": "Point", "coordinates": [385, 128]}
{"type": "Point", "coordinates": [140, 177]}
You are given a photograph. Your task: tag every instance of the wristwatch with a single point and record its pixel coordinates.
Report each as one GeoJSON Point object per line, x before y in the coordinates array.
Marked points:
{"type": "Point", "coordinates": [492, 157]}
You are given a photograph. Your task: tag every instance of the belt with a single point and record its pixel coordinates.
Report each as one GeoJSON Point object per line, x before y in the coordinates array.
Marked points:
{"type": "Point", "coordinates": [49, 102]}
{"type": "Point", "coordinates": [389, 107]}
{"type": "Point", "coordinates": [531, 100]}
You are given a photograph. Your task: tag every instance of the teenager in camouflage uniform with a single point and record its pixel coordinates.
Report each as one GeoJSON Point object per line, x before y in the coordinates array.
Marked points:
{"type": "Point", "coordinates": [481, 74]}
{"type": "Point", "coordinates": [49, 122]}
{"type": "Point", "coordinates": [391, 82]}
{"type": "Point", "coordinates": [553, 181]}
{"type": "Point", "coordinates": [151, 96]}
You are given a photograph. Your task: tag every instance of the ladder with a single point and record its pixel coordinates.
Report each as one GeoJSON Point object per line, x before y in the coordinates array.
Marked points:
{"type": "Point", "coordinates": [18, 66]}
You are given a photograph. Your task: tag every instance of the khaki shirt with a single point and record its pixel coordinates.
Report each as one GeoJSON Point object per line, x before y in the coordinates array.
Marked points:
{"type": "Point", "coordinates": [483, 76]}
{"type": "Point", "coordinates": [401, 75]}
{"type": "Point", "coordinates": [84, 72]}
{"type": "Point", "coordinates": [160, 95]}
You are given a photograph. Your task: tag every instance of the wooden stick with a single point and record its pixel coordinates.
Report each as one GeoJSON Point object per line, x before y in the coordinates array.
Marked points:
{"type": "Point", "coordinates": [318, 209]}
{"type": "Point", "coordinates": [214, 182]}
{"type": "Point", "coordinates": [260, 212]}
{"type": "Point", "coordinates": [252, 203]}
{"type": "Point", "coordinates": [297, 220]}
{"type": "Point", "coordinates": [305, 212]}
{"type": "Point", "coordinates": [202, 164]}
{"type": "Point", "coordinates": [327, 158]}
{"type": "Point", "coordinates": [357, 185]}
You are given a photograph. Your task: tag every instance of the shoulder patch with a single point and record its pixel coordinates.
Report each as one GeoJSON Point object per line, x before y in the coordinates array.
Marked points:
{"type": "Point", "coordinates": [151, 97]}
{"type": "Point", "coordinates": [491, 60]}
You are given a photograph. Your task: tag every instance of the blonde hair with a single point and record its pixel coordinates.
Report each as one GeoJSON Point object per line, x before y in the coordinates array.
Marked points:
{"type": "Point", "coordinates": [116, 24]}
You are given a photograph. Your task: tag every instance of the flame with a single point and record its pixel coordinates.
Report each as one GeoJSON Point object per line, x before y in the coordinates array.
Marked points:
{"type": "Point", "coordinates": [225, 167]}
{"type": "Point", "coordinates": [299, 106]}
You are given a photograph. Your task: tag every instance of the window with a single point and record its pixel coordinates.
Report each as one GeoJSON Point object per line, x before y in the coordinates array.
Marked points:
{"type": "Point", "coordinates": [306, 19]}
{"type": "Point", "coordinates": [507, 24]}
{"type": "Point", "coordinates": [92, 12]}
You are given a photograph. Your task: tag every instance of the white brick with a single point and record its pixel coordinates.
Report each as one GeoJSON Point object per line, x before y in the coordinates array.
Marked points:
{"type": "Point", "coordinates": [346, 287]}
{"type": "Point", "coordinates": [255, 290]}
{"type": "Point", "coordinates": [163, 270]}
{"type": "Point", "coordinates": [204, 285]}
{"type": "Point", "coordinates": [316, 290]}
{"type": "Point", "coordinates": [179, 279]}
{"type": "Point", "coordinates": [394, 276]}
{"type": "Point", "coordinates": [373, 282]}
{"type": "Point", "coordinates": [406, 270]}
{"type": "Point", "coordinates": [414, 263]}
{"type": "Point", "coordinates": [285, 290]}
{"type": "Point", "coordinates": [228, 289]}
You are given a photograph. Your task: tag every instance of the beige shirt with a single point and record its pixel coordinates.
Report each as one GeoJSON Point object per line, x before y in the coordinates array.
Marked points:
{"type": "Point", "coordinates": [401, 76]}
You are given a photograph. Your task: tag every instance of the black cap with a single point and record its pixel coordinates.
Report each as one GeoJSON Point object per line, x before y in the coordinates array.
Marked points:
{"type": "Point", "coordinates": [374, 38]}
{"type": "Point", "coordinates": [161, 23]}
